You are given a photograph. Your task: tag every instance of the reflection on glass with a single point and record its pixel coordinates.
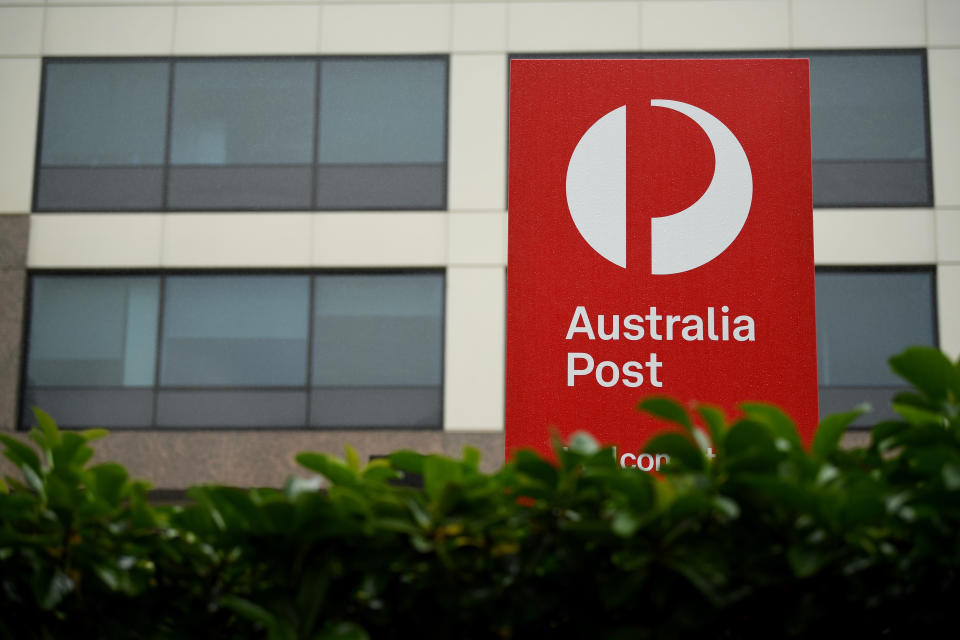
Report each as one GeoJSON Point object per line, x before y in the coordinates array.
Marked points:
{"type": "Point", "coordinates": [235, 331]}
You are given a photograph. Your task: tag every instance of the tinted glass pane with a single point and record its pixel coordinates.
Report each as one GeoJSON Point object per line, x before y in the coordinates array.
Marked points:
{"type": "Point", "coordinates": [243, 112]}
{"type": "Point", "coordinates": [93, 331]}
{"type": "Point", "coordinates": [235, 331]}
{"type": "Point", "coordinates": [381, 111]}
{"type": "Point", "coordinates": [403, 186]}
{"type": "Point", "coordinates": [867, 107]}
{"type": "Point", "coordinates": [378, 330]}
{"type": "Point", "coordinates": [100, 188]}
{"type": "Point", "coordinates": [91, 407]}
{"type": "Point", "coordinates": [241, 188]}
{"type": "Point", "coordinates": [864, 318]}
{"type": "Point", "coordinates": [376, 407]}
{"type": "Point", "coordinates": [104, 113]}
{"type": "Point", "coordinates": [231, 408]}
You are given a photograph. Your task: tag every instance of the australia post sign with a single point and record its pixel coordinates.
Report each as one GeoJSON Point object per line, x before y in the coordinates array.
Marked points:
{"type": "Point", "coordinates": [660, 242]}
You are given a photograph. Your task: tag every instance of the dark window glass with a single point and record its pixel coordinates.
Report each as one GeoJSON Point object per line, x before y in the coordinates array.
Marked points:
{"type": "Point", "coordinates": [869, 127]}
{"type": "Point", "coordinates": [93, 343]}
{"type": "Point", "coordinates": [863, 318]}
{"type": "Point", "coordinates": [382, 125]}
{"type": "Point", "coordinates": [235, 350]}
{"type": "Point", "coordinates": [868, 112]}
{"type": "Point", "coordinates": [377, 351]}
{"type": "Point", "coordinates": [243, 134]}
{"type": "Point", "coordinates": [103, 136]}
{"type": "Point", "coordinates": [235, 331]}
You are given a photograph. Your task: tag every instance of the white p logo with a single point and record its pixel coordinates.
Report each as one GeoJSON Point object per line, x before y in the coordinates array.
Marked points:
{"type": "Point", "coordinates": [597, 195]}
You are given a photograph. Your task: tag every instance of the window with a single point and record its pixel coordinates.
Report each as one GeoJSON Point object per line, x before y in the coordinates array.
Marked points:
{"type": "Point", "coordinates": [869, 124]}
{"type": "Point", "coordinates": [243, 134]}
{"type": "Point", "coordinates": [864, 316]}
{"type": "Point", "coordinates": [227, 350]}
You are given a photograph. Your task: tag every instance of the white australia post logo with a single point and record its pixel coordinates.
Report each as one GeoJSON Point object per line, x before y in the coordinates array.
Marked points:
{"type": "Point", "coordinates": [597, 195]}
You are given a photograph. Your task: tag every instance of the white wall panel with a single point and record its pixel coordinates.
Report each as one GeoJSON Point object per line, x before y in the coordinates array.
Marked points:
{"type": "Point", "coordinates": [381, 28]}
{"type": "Point", "coordinates": [874, 236]}
{"type": "Point", "coordinates": [477, 238]}
{"type": "Point", "coordinates": [943, 23]}
{"type": "Point", "coordinates": [948, 308]}
{"type": "Point", "coordinates": [858, 23]}
{"type": "Point", "coordinates": [573, 26]}
{"type": "Point", "coordinates": [713, 24]}
{"type": "Point", "coordinates": [19, 103]}
{"type": "Point", "coordinates": [21, 30]}
{"type": "Point", "coordinates": [474, 349]}
{"type": "Point", "coordinates": [108, 30]}
{"type": "Point", "coordinates": [944, 72]}
{"type": "Point", "coordinates": [94, 240]}
{"type": "Point", "coordinates": [479, 26]}
{"type": "Point", "coordinates": [390, 239]}
{"type": "Point", "coordinates": [948, 236]}
{"type": "Point", "coordinates": [236, 240]}
{"type": "Point", "coordinates": [478, 132]}
{"type": "Point", "coordinates": [221, 29]}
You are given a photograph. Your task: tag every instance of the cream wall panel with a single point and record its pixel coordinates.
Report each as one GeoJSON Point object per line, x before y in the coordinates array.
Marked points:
{"type": "Point", "coordinates": [107, 30]}
{"type": "Point", "coordinates": [948, 308]}
{"type": "Point", "coordinates": [712, 24]}
{"type": "Point", "coordinates": [95, 240]}
{"type": "Point", "coordinates": [573, 26]}
{"type": "Point", "coordinates": [477, 238]}
{"type": "Point", "coordinates": [948, 237]}
{"type": "Point", "coordinates": [478, 132]}
{"type": "Point", "coordinates": [21, 30]}
{"type": "Point", "coordinates": [874, 236]}
{"type": "Point", "coordinates": [20, 80]}
{"type": "Point", "coordinates": [474, 349]}
{"type": "Point", "coordinates": [943, 23]}
{"type": "Point", "coordinates": [944, 74]}
{"type": "Point", "coordinates": [236, 240]}
{"type": "Point", "coordinates": [858, 23]}
{"type": "Point", "coordinates": [376, 28]}
{"type": "Point", "coordinates": [222, 29]}
{"type": "Point", "coordinates": [480, 26]}
{"type": "Point", "coordinates": [390, 239]}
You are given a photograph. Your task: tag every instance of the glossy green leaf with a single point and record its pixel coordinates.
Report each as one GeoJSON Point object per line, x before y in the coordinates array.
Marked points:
{"type": "Point", "coordinates": [330, 468]}
{"type": "Point", "coordinates": [47, 426]}
{"type": "Point", "coordinates": [583, 443]}
{"type": "Point", "coordinates": [438, 472]}
{"type": "Point", "coordinates": [682, 452]}
{"type": "Point", "coordinates": [716, 422]}
{"type": "Point", "coordinates": [779, 423]}
{"type": "Point", "coordinates": [831, 430]}
{"type": "Point", "coordinates": [410, 461]}
{"type": "Point", "coordinates": [352, 459]}
{"type": "Point", "coordinates": [930, 371]}
{"type": "Point", "coordinates": [19, 453]}
{"type": "Point", "coordinates": [666, 409]}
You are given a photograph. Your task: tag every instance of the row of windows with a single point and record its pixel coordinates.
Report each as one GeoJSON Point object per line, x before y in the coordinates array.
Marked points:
{"type": "Point", "coordinates": [282, 350]}
{"type": "Point", "coordinates": [243, 134]}
{"type": "Point", "coordinates": [370, 133]}
{"type": "Point", "coordinates": [349, 349]}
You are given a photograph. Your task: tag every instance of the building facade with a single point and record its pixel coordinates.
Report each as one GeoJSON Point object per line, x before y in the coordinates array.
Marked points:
{"type": "Point", "coordinates": [232, 231]}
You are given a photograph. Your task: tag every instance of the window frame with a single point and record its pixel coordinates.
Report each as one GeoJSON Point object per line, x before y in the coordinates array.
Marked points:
{"type": "Point", "coordinates": [315, 163]}
{"type": "Point", "coordinates": [22, 408]}
{"type": "Point", "coordinates": [878, 414]}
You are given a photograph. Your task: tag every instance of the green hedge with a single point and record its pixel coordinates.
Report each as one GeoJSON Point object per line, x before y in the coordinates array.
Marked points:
{"type": "Point", "coordinates": [767, 539]}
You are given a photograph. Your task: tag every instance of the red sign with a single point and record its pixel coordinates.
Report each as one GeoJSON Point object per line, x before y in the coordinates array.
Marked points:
{"type": "Point", "coordinates": [660, 242]}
